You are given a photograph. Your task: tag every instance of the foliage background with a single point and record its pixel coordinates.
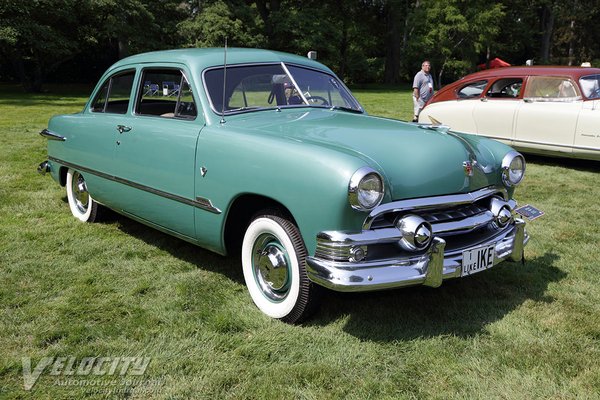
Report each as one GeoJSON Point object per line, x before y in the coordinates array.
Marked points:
{"type": "Point", "coordinates": [381, 41]}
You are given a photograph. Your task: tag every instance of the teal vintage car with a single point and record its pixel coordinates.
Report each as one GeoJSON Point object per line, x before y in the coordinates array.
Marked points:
{"type": "Point", "coordinates": [269, 155]}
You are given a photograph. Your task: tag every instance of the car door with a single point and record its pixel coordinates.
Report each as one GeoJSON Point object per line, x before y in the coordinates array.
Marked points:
{"type": "Point", "coordinates": [547, 120]}
{"type": "Point", "coordinates": [91, 143]}
{"type": "Point", "coordinates": [494, 113]}
{"type": "Point", "coordinates": [587, 134]}
{"type": "Point", "coordinates": [155, 151]}
{"type": "Point", "coordinates": [457, 114]}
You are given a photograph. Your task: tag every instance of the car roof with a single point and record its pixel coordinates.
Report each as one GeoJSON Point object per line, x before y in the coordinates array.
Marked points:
{"type": "Point", "coordinates": [199, 59]}
{"type": "Point", "coordinates": [574, 72]}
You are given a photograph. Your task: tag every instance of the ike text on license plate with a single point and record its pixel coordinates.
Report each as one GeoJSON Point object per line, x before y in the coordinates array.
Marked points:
{"type": "Point", "coordinates": [478, 259]}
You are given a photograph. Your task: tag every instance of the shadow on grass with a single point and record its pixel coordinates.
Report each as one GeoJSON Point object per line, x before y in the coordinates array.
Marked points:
{"type": "Point", "coordinates": [460, 307]}
{"type": "Point", "coordinates": [230, 266]}
{"type": "Point", "coordinates": [571, 163]}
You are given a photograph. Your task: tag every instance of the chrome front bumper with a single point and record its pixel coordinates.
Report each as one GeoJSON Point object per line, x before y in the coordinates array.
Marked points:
{"type": "Point", "coordinates": [428, 269]}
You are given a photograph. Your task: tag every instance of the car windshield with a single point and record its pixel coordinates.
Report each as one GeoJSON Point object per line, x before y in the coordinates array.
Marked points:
{"type": "Point", "coordinates": [590, 85]}
{"type": "Point", "coordinates": [255, 87]}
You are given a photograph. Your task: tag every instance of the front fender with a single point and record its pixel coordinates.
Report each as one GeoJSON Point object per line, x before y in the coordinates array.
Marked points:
{"type": "Point", "coordinates": [309, 180]}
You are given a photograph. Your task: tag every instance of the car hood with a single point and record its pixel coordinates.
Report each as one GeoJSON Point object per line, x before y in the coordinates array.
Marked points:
{"type": "Point", "coordinates": [414, 161]}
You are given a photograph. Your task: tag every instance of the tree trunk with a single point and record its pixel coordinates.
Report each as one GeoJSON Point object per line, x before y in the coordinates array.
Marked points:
{"type": "Point", "coordinates": [123, 48]}
{"type": "Point", "coordinates": [392, 44]}
{"type": "Point", "coordinates": [265, 12]}
{"type": "Point", "coordinates": [547, 22]}
{"type": "Point", "coordinates": [344, 41]}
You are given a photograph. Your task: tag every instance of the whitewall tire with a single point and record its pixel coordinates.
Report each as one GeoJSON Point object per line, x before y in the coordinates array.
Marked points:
{"type": "Point", "coordinates": [82, 206]}
{"type": "Point", "coordinates": [273, 256]}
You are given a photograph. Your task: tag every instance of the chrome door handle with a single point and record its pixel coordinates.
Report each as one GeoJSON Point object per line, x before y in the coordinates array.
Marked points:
{"type": "Point", "coordinates": [123, 128]}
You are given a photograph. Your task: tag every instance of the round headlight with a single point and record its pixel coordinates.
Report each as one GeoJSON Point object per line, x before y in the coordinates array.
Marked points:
{"type": "Point", "coordinates": [365, 190]}
{"type": "Point", "coordinates": [513, 168]}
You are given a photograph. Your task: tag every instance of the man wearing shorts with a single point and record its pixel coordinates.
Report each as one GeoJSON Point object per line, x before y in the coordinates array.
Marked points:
{"type": "Point", "coordinates": [422, 88]}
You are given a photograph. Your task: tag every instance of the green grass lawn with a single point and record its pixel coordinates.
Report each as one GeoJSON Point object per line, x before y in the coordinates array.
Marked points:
{"type": "Point", "coordinates": [118, 288]}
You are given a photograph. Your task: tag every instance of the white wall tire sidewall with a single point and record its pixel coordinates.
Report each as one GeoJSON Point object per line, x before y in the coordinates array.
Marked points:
{"type": "Point", "coordinates": [272, 309]}
{"type": "Point", "coordinates": [83, 217]}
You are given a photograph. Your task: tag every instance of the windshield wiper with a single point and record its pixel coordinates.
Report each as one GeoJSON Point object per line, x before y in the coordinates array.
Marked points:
{"type": "Point", "coordinates": [349, 109]}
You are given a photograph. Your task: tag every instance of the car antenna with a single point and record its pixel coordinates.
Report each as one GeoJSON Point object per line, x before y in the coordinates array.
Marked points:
{"type": "Point", "coordinates": [224, 81]}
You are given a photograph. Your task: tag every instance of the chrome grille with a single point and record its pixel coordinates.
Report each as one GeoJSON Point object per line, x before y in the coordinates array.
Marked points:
{"type": "Point", "coordinates": [461, 220]}
{"type": "Point", "coordinates": [453, 214]}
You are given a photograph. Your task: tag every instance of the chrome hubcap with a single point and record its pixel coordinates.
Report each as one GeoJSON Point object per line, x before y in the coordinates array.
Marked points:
{"type": "Point", "coordinates": [80, 193]}
{"type": "Point", "coordinates": [271, 267]}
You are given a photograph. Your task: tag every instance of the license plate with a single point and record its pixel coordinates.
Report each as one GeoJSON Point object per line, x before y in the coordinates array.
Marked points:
{"type": "Point", "coordinates": [529, 212]}
{"type": "Point", "coordinates": [478, 259]}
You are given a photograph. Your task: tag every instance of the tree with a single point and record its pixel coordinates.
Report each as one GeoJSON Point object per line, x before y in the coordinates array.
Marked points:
{"type": "Point", "coordinates": [211, 22]}
{"type": "Point", "coordinates": [452, 34]}
{"type": "Point", "coordinates": [37, 37]}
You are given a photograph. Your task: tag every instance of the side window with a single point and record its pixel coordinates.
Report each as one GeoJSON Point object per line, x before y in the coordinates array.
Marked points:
{"type": "Point", "coordinates": [505, 88]}
{"type": "Point", "coordinates": [114, 95]}
{"type": "Point", "coordinates": [165, 93]}
{"type": "Point", "coordinates": [551, 88]}
{"type": "Point", "coordinates": [590, 85]}
{"type": "Point", "coordinates": [472, 90]}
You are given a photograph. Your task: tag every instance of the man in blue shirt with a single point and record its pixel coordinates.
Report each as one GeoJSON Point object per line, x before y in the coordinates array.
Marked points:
{"type": "Point", "coordinates": [422, 88]}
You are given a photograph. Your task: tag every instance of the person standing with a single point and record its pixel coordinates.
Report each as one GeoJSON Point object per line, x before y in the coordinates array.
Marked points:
{"type": "Point", "coordinates": [422, 88]}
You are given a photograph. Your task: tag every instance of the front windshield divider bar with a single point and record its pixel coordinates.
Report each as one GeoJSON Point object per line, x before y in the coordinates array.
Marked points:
{"type": "Point", "coordinates": [287, 71]}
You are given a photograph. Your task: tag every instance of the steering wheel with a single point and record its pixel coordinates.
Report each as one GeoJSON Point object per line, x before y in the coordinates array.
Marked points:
{"type": "Point", "coordinates": [323, 100]}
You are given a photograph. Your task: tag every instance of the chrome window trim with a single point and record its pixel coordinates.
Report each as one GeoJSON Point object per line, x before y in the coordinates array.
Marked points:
{"type": "Point", "coordinates": [432, 202]}
{"type": "Point", "coordinates": [287, 71]}
{"type": "Point", "coordinates": [206, 92]}
{"type": "Point", "coordinates": [123, 71]}
{"type": "Point", "coordinates": [200, 202]}
{"type": "Point", "coordinates": [139, 93]}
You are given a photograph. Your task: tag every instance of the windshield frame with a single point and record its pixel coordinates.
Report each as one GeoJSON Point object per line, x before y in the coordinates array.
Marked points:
{"type": "Point", "coordinates": [284, 66]}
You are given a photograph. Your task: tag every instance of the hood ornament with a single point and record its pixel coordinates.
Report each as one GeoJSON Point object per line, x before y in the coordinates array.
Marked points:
{"type": "Point", "coordinates": [468, 168]}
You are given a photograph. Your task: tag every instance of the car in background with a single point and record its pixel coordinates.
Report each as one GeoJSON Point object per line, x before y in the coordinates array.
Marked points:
{"type": "Point", "coordinates": [270, 155]}
{"type": "Point", "coordinates": [545, 110]}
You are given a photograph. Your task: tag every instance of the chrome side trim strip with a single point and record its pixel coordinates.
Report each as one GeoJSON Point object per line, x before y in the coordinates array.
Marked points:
{"type": "Point", "coordinates": [517, 141]}
{"type": "Point", "coordinates": [52, 136]}
{"type": "Point", "coordinates": [566, 146]}
{"type": "Point", "coordinates": [203, 204]}
{"type": "Point", "coordinates": [432, 202]}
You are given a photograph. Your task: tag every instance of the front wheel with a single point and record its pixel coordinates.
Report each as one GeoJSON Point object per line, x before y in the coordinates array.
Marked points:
{"type": "Point", "coordinates": [82, 206]}
{"type": "Point", "coordinates": [273, 256]}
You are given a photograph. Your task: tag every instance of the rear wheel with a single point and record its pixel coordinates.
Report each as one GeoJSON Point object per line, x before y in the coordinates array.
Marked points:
{"type": "Point", "coordinates": [273, 256]}
{"type": "Point", "coordinates": [82, 206]}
